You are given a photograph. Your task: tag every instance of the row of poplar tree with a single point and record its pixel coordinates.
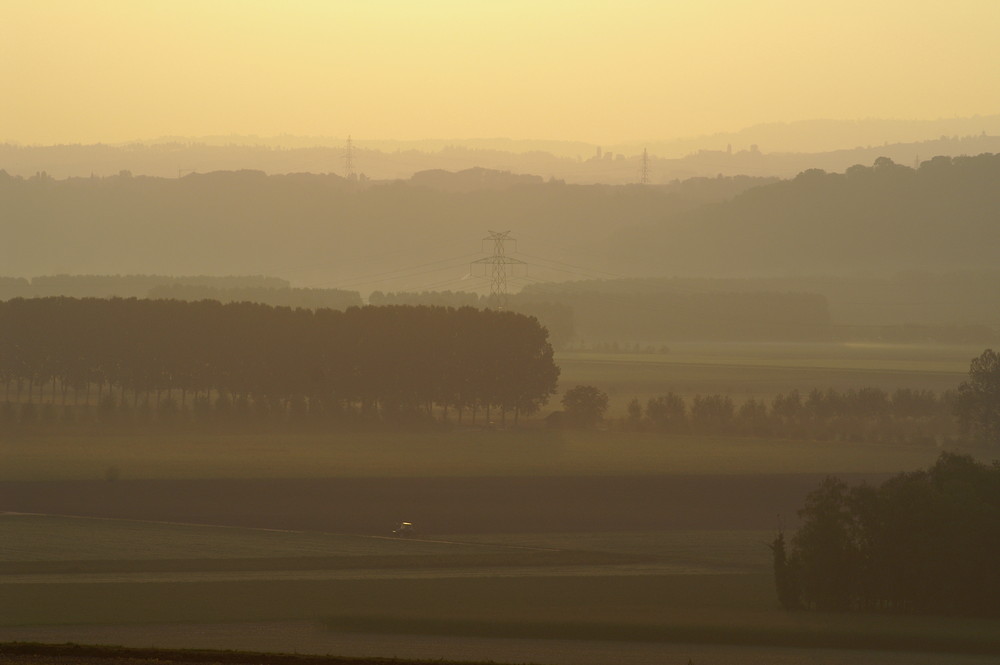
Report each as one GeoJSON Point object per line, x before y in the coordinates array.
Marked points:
{"type": "Point", "coordinates": [864, 414]}
{"type": "Point", "coordinates": [394, 362]}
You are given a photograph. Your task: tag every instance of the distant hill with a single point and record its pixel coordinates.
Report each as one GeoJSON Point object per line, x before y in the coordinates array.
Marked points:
{"type": "Point", "coordinates": [944, 215]}
{"type": "Point", "coordinates": [823, 135]}
{"type": "Point", "coordinates": [773, 150]}
{"type": "Point", "coordinates": [322, 230]}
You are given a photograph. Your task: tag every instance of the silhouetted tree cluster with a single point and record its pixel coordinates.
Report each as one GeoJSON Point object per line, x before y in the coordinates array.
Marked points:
{"type": "Point", "coordinates": [585, 405]}
{"type": "Point", "coordinates": [926, 541]}
{"type": "Point", "coordinates": [166, 357]}
{"type": "Point", "coordinates": [866, 414]}
{"type": "Point", "coordinates": [978, 403]}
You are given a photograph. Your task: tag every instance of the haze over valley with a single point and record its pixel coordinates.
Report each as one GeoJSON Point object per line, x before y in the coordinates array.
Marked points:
{"type": "Point", "coordinates": [552, 332]}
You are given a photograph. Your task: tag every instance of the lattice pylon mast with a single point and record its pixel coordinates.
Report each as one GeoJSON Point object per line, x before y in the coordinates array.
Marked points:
{"type": "Point", "coordinates": [644, 175]}
{"type": "Point", "coordinates": [498, 263]}
{"type": "Point", "coordinates": [349, 159]}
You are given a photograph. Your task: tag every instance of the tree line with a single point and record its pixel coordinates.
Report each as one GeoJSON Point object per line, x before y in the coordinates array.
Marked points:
{"type": "Point", "coordinates": [127, 286]}
{"type": "Point", "coordinates": [867, 414]}
{"type": "Point", "coordinates": [312, 298]}
{"type": "Point", "coordinates": [161, 357]}
{"type": "Point", "coordinates": [925, 541]}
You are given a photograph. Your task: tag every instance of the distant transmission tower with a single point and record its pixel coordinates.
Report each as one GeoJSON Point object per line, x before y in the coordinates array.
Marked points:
{"type": "Point", "coordinates": [349, 159]}
{"type": "Point", "coordinates": [499, 262]}
{"type": "Point", "coordinates": [644, 175]}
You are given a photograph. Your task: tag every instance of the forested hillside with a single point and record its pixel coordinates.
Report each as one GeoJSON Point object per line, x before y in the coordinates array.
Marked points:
{"type": "Point", "coordinates": [318, 230]}
{"type": "Point", "coordinates": [325, 231]}
{"type": "Point", "coordinates": [877, 220]}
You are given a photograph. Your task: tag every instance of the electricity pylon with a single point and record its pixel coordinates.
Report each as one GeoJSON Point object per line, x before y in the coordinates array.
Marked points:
{"type": "Point", "coordinates": [349, 159]}
{"type": "Point", "coordinates": [644, 176]}
{"type": "Point", "coordinates": [498, 273]}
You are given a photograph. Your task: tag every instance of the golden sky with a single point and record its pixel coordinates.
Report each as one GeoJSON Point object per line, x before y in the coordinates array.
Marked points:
{"type": "Point", "coordinates": [84, 71]}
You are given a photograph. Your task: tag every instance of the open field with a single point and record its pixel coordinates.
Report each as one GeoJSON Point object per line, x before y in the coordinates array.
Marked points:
{"type": "Point", "coordinates": [862, 356]}
{"type": "Point", "coordinates": [573, 504]}
{"type": "Point", "coordinates": [454, 453]}
{"type": "Point", "coordinates": [55, 548]}
{"type": "Point", "coordinates": [542, 587]}
{"type": "Point", "coordinates": [720, 609]}
{"type": "Point", "coordinates": [38, 538]}
{"type": "Point", "coordinates": [730, 608]}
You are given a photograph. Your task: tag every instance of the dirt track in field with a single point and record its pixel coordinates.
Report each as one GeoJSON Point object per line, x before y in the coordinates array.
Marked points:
{"type": "Point", "coordinates": [438, 505]}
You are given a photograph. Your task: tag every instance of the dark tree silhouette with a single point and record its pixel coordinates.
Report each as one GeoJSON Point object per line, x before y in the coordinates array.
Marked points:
{"type": "Point", "coordinates": [925, 541]}
{"type": "Point", "coordinates": [784, 575]}
{"type": "Point", "coordinates": [585, 405]}
{"type": "Point", "coordinates": [397, 363]}
{"type": "Point", "coordinates": [978, 405]}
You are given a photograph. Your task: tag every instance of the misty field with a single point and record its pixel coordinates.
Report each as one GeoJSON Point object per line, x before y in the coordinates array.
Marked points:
{"type": "Point", "coordinates": [455, 453]}
{"type": "Point", "coordinates": [745, 370]}
{"type": "Point", "coordinates": [37, 538]}
{"type": "Point", "coordinates": [740, 371]}
{"type": "Point", "coordinates": [526, 532]}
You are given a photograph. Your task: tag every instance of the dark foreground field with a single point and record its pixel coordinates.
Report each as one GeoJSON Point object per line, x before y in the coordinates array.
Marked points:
{"type": "Point", "coordinates": [512, 651]}
{"type": "Point", "coordinates": [437, 505]}
{"type": "Point", "coordinates": [40, 654]}
{"type": "Point", "coordinates": [564, 570]}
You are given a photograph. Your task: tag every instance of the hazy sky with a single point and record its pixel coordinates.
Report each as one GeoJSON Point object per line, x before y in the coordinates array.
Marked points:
{"type": "Point", "coordinates": [599, 71]}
